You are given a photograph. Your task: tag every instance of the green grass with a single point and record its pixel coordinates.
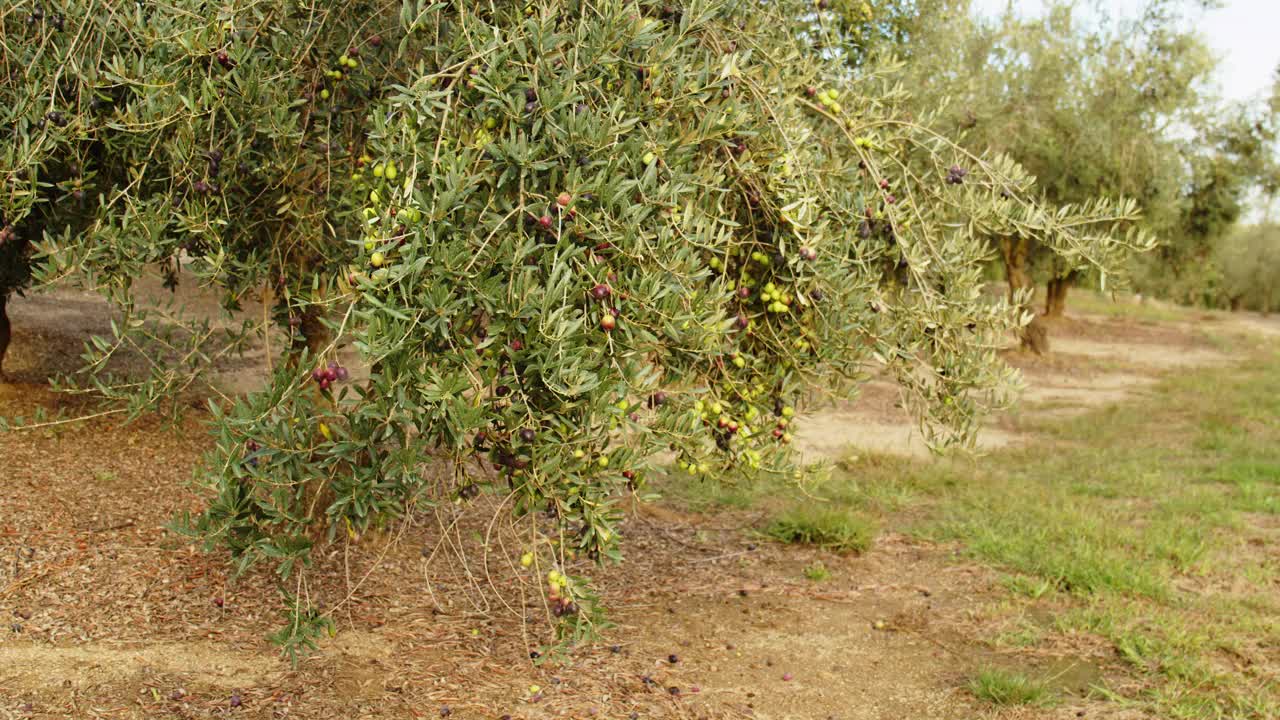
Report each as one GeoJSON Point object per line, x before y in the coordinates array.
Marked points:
{"type": "Point", "coordinates": [1024, 635]}
{"type": "Point", "coordinates": [817, 572]}
{"type": "Point", "coordinates": [1122, 305]}
{"type": "Point", "coordinates": [1118, 509]}
{"type": "Point", "coordinates": [1005, 687]}
{"type": "Point", "coordinates": [1144, 525]}
{"type": "Point", "coordinates": [825, 526]}
{"type": "Point", "coordinates": [1031, 587]}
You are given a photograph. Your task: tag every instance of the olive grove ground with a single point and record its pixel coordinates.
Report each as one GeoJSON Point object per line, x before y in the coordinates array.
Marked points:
{"type": "Point", "coordinates": [1116, 547]}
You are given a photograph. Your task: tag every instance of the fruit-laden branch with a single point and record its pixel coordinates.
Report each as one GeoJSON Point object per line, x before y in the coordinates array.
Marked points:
{"type": "Point", "coordinates": [565, 242]}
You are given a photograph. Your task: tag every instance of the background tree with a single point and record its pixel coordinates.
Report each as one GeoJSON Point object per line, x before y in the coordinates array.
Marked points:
{"type": "Point", "coordinates": [1086, 103]}
{"type": "Point", "coordinates": [1219, 175]}
{"type": "Point", "coordinates": [564, 237]}
{"type": "Point", "coordinates": [869, 32]}
{"type": "Point", "coordinates": [1250, 262]}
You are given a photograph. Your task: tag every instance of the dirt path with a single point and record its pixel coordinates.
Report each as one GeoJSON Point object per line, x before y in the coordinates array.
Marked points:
{"type": "Point", "coordinates": [1096, 361]}
{"type": "Point", "coordinates": [105, 614]}
{"type": "Point", "coordinates": [108, 616]}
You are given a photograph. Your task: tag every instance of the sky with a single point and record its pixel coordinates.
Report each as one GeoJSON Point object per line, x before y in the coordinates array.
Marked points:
{"type": "Point", "coordinates": [1244, 33]}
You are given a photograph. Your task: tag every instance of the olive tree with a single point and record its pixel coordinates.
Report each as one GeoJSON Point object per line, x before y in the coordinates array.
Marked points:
{"type": "Point", "coordinates": [14, 275]}
{"type": "Point", "coordinates": [567, 238]}
{"type": "Point", "coordinates": [1083, 101]}
{"type": "Point", "coordinates": [1249, 260]}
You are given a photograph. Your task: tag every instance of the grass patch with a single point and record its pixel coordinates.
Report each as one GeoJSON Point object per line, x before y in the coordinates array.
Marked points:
{"type": "Point", "coordinates": [1116, 510]}
{"type": "Point", "coordinates": [1006, 687]}
{"type": "Point", "coordinates": [1142, 524]}
{"type": "Point", "coordinates": [1030, 587]}
{"type": "Point", "coordinates": [826, 527]}
{"type": "Point", "coordinates": [1124, 305]}
{"type": "Point", "coordinates": [817, 572]}
{"type": "Point", "coordinates": [1023, 636]}
{"type": "Point", "coordinates": [704, 494]}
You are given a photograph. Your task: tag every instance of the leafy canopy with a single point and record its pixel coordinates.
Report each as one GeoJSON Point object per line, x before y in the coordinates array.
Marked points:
{"type": "Point", "coordinates": [565, 237]}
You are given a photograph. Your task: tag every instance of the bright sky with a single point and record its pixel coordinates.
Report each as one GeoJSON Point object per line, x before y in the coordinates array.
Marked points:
{"type": "Point", "coordinates": [1243, 33]}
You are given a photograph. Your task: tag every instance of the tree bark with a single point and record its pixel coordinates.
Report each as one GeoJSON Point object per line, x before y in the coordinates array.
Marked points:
{"type": "Point", "coordinates": [1055, 300]}
{"type": "Point", "coordinates": [1015, 252]}
{"type": "Point", "coordinates": [312, 335]}
{"type": "Point", "coordinates": [4, 331]}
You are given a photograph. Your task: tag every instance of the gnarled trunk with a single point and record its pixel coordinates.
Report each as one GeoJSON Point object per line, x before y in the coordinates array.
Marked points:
{"type": "Point", "coordinates": [4, 330]}
{"type": "Point", "coordinates": [1015, 253]}
{"type": "Point", "coordinates": [312, 335]}
{"type": "Point", "coordinates": [1055, 299]}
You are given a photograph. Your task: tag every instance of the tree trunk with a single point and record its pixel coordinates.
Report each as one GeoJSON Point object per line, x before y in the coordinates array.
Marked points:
{"type": "Point", "coordinates": [4, 331]}
{"type": "Point", "coordinates": [1014, 252]}
{"type": "Point", "coordinates": [312, 335]}
{"type": "Point", "coordinates": [1055, 299]}
{"type": "Point", "coordinates": [1236, 303]}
